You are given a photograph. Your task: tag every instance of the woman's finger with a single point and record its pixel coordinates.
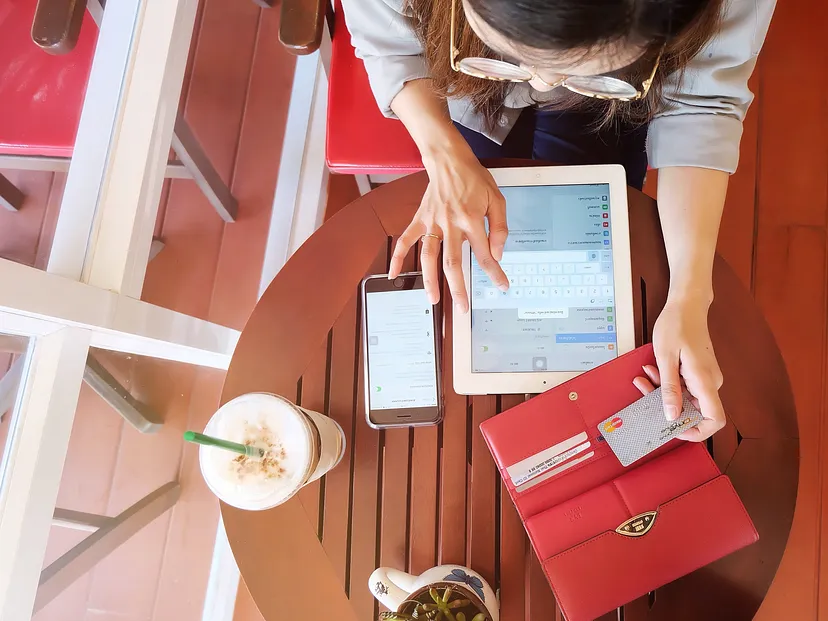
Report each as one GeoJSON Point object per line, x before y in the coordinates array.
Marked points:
{"type": "Point", "coordinates": [480, 247]}
{"type": "Point", "coordinates": [498, 231]}
{"type": "Point", "coordinates": [710, 405]}
{"type": "Point", "coordinates": [430, 265]}
{"type": "Point", "coordinates": [644, 385]}
{"type": "Point", "coordinates": [652, 374]}
{"type": "Point", "coordinates": [668, 369]}
{"type": "Point", "coordinates": [452, 266]}
{"type": "Point", "coordinates": [403, 245]}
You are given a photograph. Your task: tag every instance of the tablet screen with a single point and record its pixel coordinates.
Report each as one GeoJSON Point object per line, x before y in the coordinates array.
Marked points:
{"type": "Point", "coordinates": [559, 312]}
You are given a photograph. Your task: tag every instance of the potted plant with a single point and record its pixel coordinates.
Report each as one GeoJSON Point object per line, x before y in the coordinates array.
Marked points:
{"type": "Point", "coordinates": [438, 602]}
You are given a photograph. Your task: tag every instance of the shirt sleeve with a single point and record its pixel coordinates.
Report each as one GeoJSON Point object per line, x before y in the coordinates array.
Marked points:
{"type": "Point", "coordinates": [702, 125]}
{"type": "Point", "coordinates": [384, 38]}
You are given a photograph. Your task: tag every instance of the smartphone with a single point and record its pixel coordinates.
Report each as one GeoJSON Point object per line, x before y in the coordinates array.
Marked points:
{"type": "Point", "coordinates": [401, 334]}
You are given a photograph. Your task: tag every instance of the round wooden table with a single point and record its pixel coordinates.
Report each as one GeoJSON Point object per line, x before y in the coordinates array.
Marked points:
{"type": "Point", "coordinates": [412, 499]}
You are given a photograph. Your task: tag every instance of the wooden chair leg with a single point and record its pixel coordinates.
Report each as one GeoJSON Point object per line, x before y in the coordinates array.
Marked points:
{"type": "Point", "coordinates": [156, 247]}
{"type": "Point", "coordinates": [10, 197]}
{"type": "Point", "coordinates": [137, 414]}
{"type": "Point", "coordinates": [363, 184]}
{"type": "Point", "coordinates": [58, 576]}
{"type": "Point", "coordinates": [78, 520]}
{"type": "Point", "coordinates": [191, 154]}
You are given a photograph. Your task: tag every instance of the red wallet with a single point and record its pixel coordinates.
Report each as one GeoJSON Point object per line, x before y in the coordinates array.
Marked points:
{"type": "Point", "coordinates": [606, 534]}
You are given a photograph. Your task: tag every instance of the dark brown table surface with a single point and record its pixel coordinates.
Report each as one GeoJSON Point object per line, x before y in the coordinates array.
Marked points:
{"type": "Point", "coordinates": [413, 499]}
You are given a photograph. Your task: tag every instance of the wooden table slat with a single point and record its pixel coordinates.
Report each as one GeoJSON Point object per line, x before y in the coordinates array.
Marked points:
{"type": "Point", "coordinates": [540, 602]}
{"type": "Point", "coordinates": [367, 486]}
{"type": "Point", "coordinates": [396, 469]}
{"type": "Point", "coordinates": [514, 546]}
{"type": "Point", "coordinates": [422, 546]}
{"type": "Point", "coordinates": [312, 397]}
{"type": "Point", "coordinates": [341, 405]}
{"type": "Point", "coordinates": [482, 501]}
{"type": "Point", "coordinates": [453, 460]}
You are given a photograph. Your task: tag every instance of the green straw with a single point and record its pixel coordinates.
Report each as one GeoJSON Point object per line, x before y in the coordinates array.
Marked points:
{"type": "Point", "coordinates": [242, 449]}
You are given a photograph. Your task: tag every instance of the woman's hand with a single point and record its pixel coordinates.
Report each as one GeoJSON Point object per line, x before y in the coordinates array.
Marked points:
{"type": "Point", "coordinates": [461, 193]}
{"type": "Point", "coordinates": [685, 357]}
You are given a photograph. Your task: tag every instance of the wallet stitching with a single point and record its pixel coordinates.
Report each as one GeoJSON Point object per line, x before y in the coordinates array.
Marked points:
{"type": "Point", "coordinates": [606, 534]}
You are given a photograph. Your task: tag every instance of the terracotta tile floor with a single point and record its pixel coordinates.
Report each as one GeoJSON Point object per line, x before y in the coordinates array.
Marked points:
{"type": "Point", "coordinates": [774, 234]}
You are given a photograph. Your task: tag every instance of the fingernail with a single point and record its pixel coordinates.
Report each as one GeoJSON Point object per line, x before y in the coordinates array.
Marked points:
{"type": "Point", "coordinates": [460, 307]}
{"type": "Point", "coordinates": [504, 288]}
{"type": "Point", "coordinates": [671, 412]}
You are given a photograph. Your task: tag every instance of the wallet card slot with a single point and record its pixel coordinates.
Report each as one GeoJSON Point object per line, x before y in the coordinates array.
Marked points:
{"type": "Point", "coordinates": [697, 528]}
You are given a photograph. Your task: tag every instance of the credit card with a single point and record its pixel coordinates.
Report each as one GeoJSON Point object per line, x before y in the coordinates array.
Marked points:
{"type": "Point", "coordinates": [531, 467]}
{"type": "Point", "coordinates": [641, 428]}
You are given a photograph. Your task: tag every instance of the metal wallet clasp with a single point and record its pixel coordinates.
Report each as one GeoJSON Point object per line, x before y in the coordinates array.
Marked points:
{"type": "Point", "coordinates": [637, 526]}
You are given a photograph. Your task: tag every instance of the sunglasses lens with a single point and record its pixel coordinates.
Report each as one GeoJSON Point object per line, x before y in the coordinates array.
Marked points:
{"type": "Point", "coordinates": [601, 86]}
{"type": "Point", "coordinates": [494, 69]}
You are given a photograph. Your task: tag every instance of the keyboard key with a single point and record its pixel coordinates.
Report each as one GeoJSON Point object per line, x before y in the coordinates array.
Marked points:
{"type": "Point", "coordinates": [543, 268]}
{"type": "Point", "coordinates": [543, 292]}
{"type": "Point", "coordinates": [569, 268]}
{"type": "Point", "coordinates": [556, 292]}
{"type": "Point", "coordinates": [606, 268]}
{"type": "Point", "coordinates": [537, 280]}
{"type": "Point", "coordinates": [592, 256]}
{"type": "Point", "coordinates": [491, 293]}
{"type": "Point", "coordinates": [525, 281]}
{"type": "Point", "coordinates": [581, 292]}
{"type": "Point", "coordinates": [576, 279]}
{"type": "Point", "coordinates": [507, 269]}
{"type": "Point", "coordinates": [589, 279]}
{"type": "Point", "coordinates": [595, 291]}
{"type": "Point", "coordinates": [601, 279]}
{"type": "Point", "coordinates": [569, 292]}
{"type": "Point", "coordinates": [516, 292]}
{"type": "Point", "coordinates": [513, 281]}
{"type": "Point", "coordinates": [550, 280]}
{"type": "Point", "coordinates": [519, 268]}
{"type": "Point", "coordinates": [563, 281]}
{"type": "Point", "coordinates": [588, 268]}
{"type": "Point", "coordinates": [531, 292]}
{"type": "Point", "coordinates": [531, 269]}
{"type": "Point", "coordinates": [608, 291]}
{"type": "Point", "coordinates": [556, 268]}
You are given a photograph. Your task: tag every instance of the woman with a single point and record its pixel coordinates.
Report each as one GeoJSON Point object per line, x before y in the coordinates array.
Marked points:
{"type": "Point", "coordinates": [577, 81]}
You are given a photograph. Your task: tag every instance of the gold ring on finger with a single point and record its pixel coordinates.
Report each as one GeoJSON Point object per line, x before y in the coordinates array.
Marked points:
{"type": "Point", "coordinates": [432, 236]}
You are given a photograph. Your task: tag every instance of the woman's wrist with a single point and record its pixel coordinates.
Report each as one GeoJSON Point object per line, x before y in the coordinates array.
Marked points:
{"type": "Point", "coordinates": [698, 294]}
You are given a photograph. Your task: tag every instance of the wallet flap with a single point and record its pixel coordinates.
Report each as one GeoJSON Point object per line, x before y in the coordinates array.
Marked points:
{"type": "Point", "coordinates": [697, 528]}
{"type": "Point", "coordinates": [605, 507]}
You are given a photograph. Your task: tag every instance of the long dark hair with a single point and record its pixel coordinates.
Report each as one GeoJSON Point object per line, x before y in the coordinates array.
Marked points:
{"type": "Point", "coordinates": [680, 27]}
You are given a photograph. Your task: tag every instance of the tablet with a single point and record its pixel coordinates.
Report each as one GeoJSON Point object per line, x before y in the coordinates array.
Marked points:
{"type": "Point", "coordinates": [569, 307]}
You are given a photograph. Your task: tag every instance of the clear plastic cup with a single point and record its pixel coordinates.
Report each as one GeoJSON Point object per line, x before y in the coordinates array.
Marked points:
{"type": "Point", "coordinates": [301, 446]}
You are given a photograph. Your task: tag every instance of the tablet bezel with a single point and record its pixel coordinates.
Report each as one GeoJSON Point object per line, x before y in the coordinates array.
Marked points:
{"type": "Point", "coordinates": [468, 383]}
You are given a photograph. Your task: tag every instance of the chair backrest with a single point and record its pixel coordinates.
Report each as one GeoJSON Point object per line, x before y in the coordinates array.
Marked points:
{"type": "Point", "coordinates": [41, 95]}
{"type": "Point", "coordinates": [360, 139]}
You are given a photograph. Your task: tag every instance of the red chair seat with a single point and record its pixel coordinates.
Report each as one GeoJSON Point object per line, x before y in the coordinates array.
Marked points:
{"type": "Point", "coordinates": [41, 95]}
{"type": "Point", "coordinates": [360, 139]}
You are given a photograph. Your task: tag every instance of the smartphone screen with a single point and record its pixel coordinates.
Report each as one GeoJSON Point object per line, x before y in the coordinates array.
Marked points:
{"type": "Point", "coordinates": [402, 384]}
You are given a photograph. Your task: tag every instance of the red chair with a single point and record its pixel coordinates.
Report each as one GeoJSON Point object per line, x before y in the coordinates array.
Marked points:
{"type": "Point", "coordinates": [42, 96]}
{"type": "Point", "coordinates": [360, 140]}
